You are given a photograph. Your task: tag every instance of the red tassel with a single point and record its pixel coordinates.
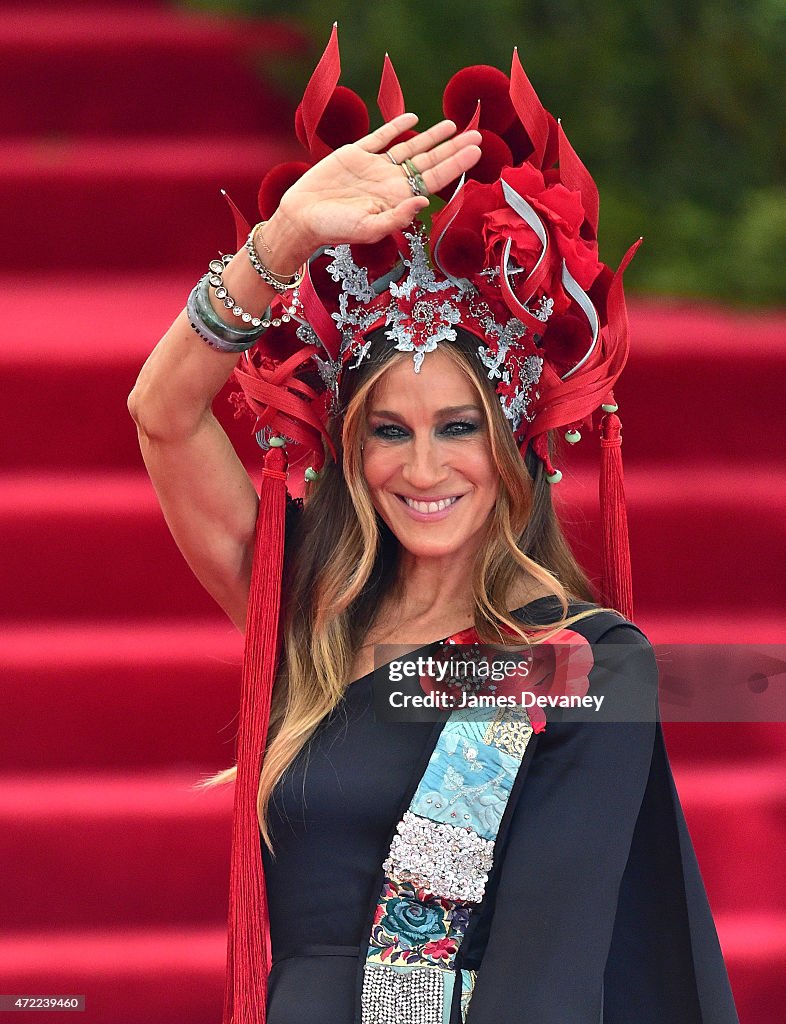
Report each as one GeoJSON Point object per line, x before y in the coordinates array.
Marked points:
{"type": "Point", "coordinates": [248, 945]}
{"type": "Point", "coordinates": [618, 584]}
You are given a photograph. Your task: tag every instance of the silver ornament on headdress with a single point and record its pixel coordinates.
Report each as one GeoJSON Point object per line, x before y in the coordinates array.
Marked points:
{"type": "Point", "coordinates": [421, 324]}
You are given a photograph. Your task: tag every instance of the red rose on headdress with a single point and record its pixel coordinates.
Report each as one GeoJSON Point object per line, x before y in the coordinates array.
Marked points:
{"type": "Point", "coordinates": [566, 341]}
{"type": "Point", "coordinates": [461, 253]}
{"type": "Point", "coordinates": [562, 214]}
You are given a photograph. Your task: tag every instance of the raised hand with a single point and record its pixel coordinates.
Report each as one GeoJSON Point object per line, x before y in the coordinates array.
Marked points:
{"type": "Point", "coordinates": [358, 195]}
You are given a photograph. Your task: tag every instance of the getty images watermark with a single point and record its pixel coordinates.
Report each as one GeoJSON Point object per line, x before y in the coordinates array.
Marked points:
{"type": "Point", "coordinates": [573, 680]}
{"type": "Point", "coordinates": [476, 683]}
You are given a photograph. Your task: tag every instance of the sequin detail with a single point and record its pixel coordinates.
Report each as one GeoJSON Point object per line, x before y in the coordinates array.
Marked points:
{"type": "Point", "coordinates": [448, 860]}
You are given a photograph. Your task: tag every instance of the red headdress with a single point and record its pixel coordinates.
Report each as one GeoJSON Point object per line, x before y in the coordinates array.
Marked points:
{"type": "Point", "coordinates": [513, 259]}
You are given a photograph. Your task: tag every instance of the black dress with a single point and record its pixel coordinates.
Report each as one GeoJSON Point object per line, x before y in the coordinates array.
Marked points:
{"type": "Point", "coordinates": [595, 910]}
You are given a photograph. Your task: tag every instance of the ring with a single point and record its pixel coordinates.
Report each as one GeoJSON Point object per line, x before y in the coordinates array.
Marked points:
{"type": "Point", "coordinates": [414, 177]}
{"type": "Point", "coordinates": [392, 159]}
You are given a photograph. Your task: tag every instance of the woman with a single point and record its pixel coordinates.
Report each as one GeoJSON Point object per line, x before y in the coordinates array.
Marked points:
{"type": "Point", "coordinates": [478, 868]}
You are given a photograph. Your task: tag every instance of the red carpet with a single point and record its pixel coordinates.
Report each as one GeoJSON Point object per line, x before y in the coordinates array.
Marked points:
{"type": "Point", "coordinates": [121, 677]}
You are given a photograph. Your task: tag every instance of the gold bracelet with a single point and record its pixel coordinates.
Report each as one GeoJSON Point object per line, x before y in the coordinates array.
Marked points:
{"type": "Point", "coordinates": [276, 281]}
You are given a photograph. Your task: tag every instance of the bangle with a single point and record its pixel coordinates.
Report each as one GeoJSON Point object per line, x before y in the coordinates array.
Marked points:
{"type": "Point", "coordinates": [274, 280]}
{"type": "Point", "coordinates": [216, 324]}
{"type": "Point", "coordinates": [216, 281]}
{"type": "Point", "coordinates": [208, 334]}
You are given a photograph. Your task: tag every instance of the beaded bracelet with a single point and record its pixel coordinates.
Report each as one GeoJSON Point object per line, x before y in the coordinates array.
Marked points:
{"type": "Point", "coordinates": [264, 272]}
{"type": "Point", "coordinates": [216, 281]}
{"type": "Point", "coordinates": [207, 313]}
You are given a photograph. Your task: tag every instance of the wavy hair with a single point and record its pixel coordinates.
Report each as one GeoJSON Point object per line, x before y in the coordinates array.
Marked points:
{"type": "Point", "coordinates": [340, 561]}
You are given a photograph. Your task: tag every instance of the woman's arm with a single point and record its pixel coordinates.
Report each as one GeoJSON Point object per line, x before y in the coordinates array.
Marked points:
{"type": "Point", "coordinates": [353, 195]}
{"type": "Point", "coordinates": [207, 497]}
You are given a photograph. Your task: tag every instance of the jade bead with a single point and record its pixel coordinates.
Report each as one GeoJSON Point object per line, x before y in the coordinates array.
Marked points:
{"type": "Point", "coordinates": [277, 442]}
{"type": "Point", "coordinates": [311, 473]}
{"type": "Point", "coordinates": [609, 408]}
{"type": "Point", "coordinates": [572, 436]}
{"type": "Point", "coordinates": [555, 477]}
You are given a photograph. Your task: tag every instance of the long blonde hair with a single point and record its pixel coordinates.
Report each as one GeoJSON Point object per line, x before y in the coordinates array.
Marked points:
{"type": "Point", "coordinates": [340, 561]}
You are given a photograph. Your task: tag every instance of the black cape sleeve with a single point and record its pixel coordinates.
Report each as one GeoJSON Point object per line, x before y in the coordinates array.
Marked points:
{"type": "Point", "coordinates": [598, 913]}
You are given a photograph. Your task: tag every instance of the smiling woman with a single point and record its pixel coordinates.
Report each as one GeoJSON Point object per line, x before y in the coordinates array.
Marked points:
{"type": "Point", "coordinates": [409, 438]}
{"type": "Point", "coordinates": [425, 465]}
{"type": "Point", "coordinates": [405, 391]}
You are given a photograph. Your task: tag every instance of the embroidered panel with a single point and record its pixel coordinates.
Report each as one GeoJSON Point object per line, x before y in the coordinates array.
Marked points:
{"type": "Point", "coordinates": [414, 927]}
{"type": "Point", "coordinates": [437, 868]}
{"type": "Point", "coordinates": [468, 979]}
{"type": "Point", "coordinates": [472, 768]}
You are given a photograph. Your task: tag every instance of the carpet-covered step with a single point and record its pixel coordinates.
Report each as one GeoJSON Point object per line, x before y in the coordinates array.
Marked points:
{"type": "Point", "coordinates": [35, 7]}
{"type": "Point", "coordinates": [132, 202]}
{"type": "Point", "coordinates": [91, 695]}
{"type": "Point", "coordinates": [128, 975]}
{"type": "Point", "coordinates": [736, 815]}
{"type": "Point", "coordinates": [108, 70]}
{"type": "Point", "coordinates": [84, 546]}
{"type": "Point", "coordinates": [149, 849]}
{"type": "Point", "coordinates": [98, 850]}
{"type": "Point", "coordinates": [754, 947]}
{"type": "Point", "coordinates": [689, 549]}
{"type": "Point", "coordinates": [716, 741]}
{"type": "Point", "coordinates": [694, 743]}
{"type": "Point", "coordinates": [97, 544]}
{"type": "Point", "coordinates": [94, 356]}
{"type": "Point", "coordinates": [135, 976]}
{"type": "Point", "coordinates": [127, 696]}
{"type": "Point", "coordinates": [65, 393]}
{"type": "Point", "coordinates": [718, 406]}
{"type": "Point", "coordinates": [705, 626]}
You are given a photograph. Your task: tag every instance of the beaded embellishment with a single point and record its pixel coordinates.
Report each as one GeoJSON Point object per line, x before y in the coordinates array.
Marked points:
{"type": "Point", "coordinates": [404, 996]}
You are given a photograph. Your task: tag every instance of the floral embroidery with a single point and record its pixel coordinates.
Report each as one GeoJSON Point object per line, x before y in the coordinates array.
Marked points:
{"type": "Point", "coordinates": [414, 927]}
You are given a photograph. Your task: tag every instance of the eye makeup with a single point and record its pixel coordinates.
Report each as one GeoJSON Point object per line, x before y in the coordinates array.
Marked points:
{"type": "Point", "coordinates": [452, 428]}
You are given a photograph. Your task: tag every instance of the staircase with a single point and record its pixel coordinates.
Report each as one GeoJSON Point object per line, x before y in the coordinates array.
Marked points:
{"type": "Point", "coordinates": [120, 677]}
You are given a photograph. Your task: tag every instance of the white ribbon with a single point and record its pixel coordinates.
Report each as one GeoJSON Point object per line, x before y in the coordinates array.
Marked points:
{"type": "Point", "coordinates": [520, 206]}
{"type": "Point", "coordinates": [574, 289]}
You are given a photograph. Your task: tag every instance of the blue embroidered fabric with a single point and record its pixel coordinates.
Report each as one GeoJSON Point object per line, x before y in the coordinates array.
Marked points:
{"type": "Point", "coordinates": [460, 789]}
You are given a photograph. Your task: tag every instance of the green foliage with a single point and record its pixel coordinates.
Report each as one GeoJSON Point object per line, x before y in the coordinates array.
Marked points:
{"type": "Point", "coordinates": [675, 108]}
